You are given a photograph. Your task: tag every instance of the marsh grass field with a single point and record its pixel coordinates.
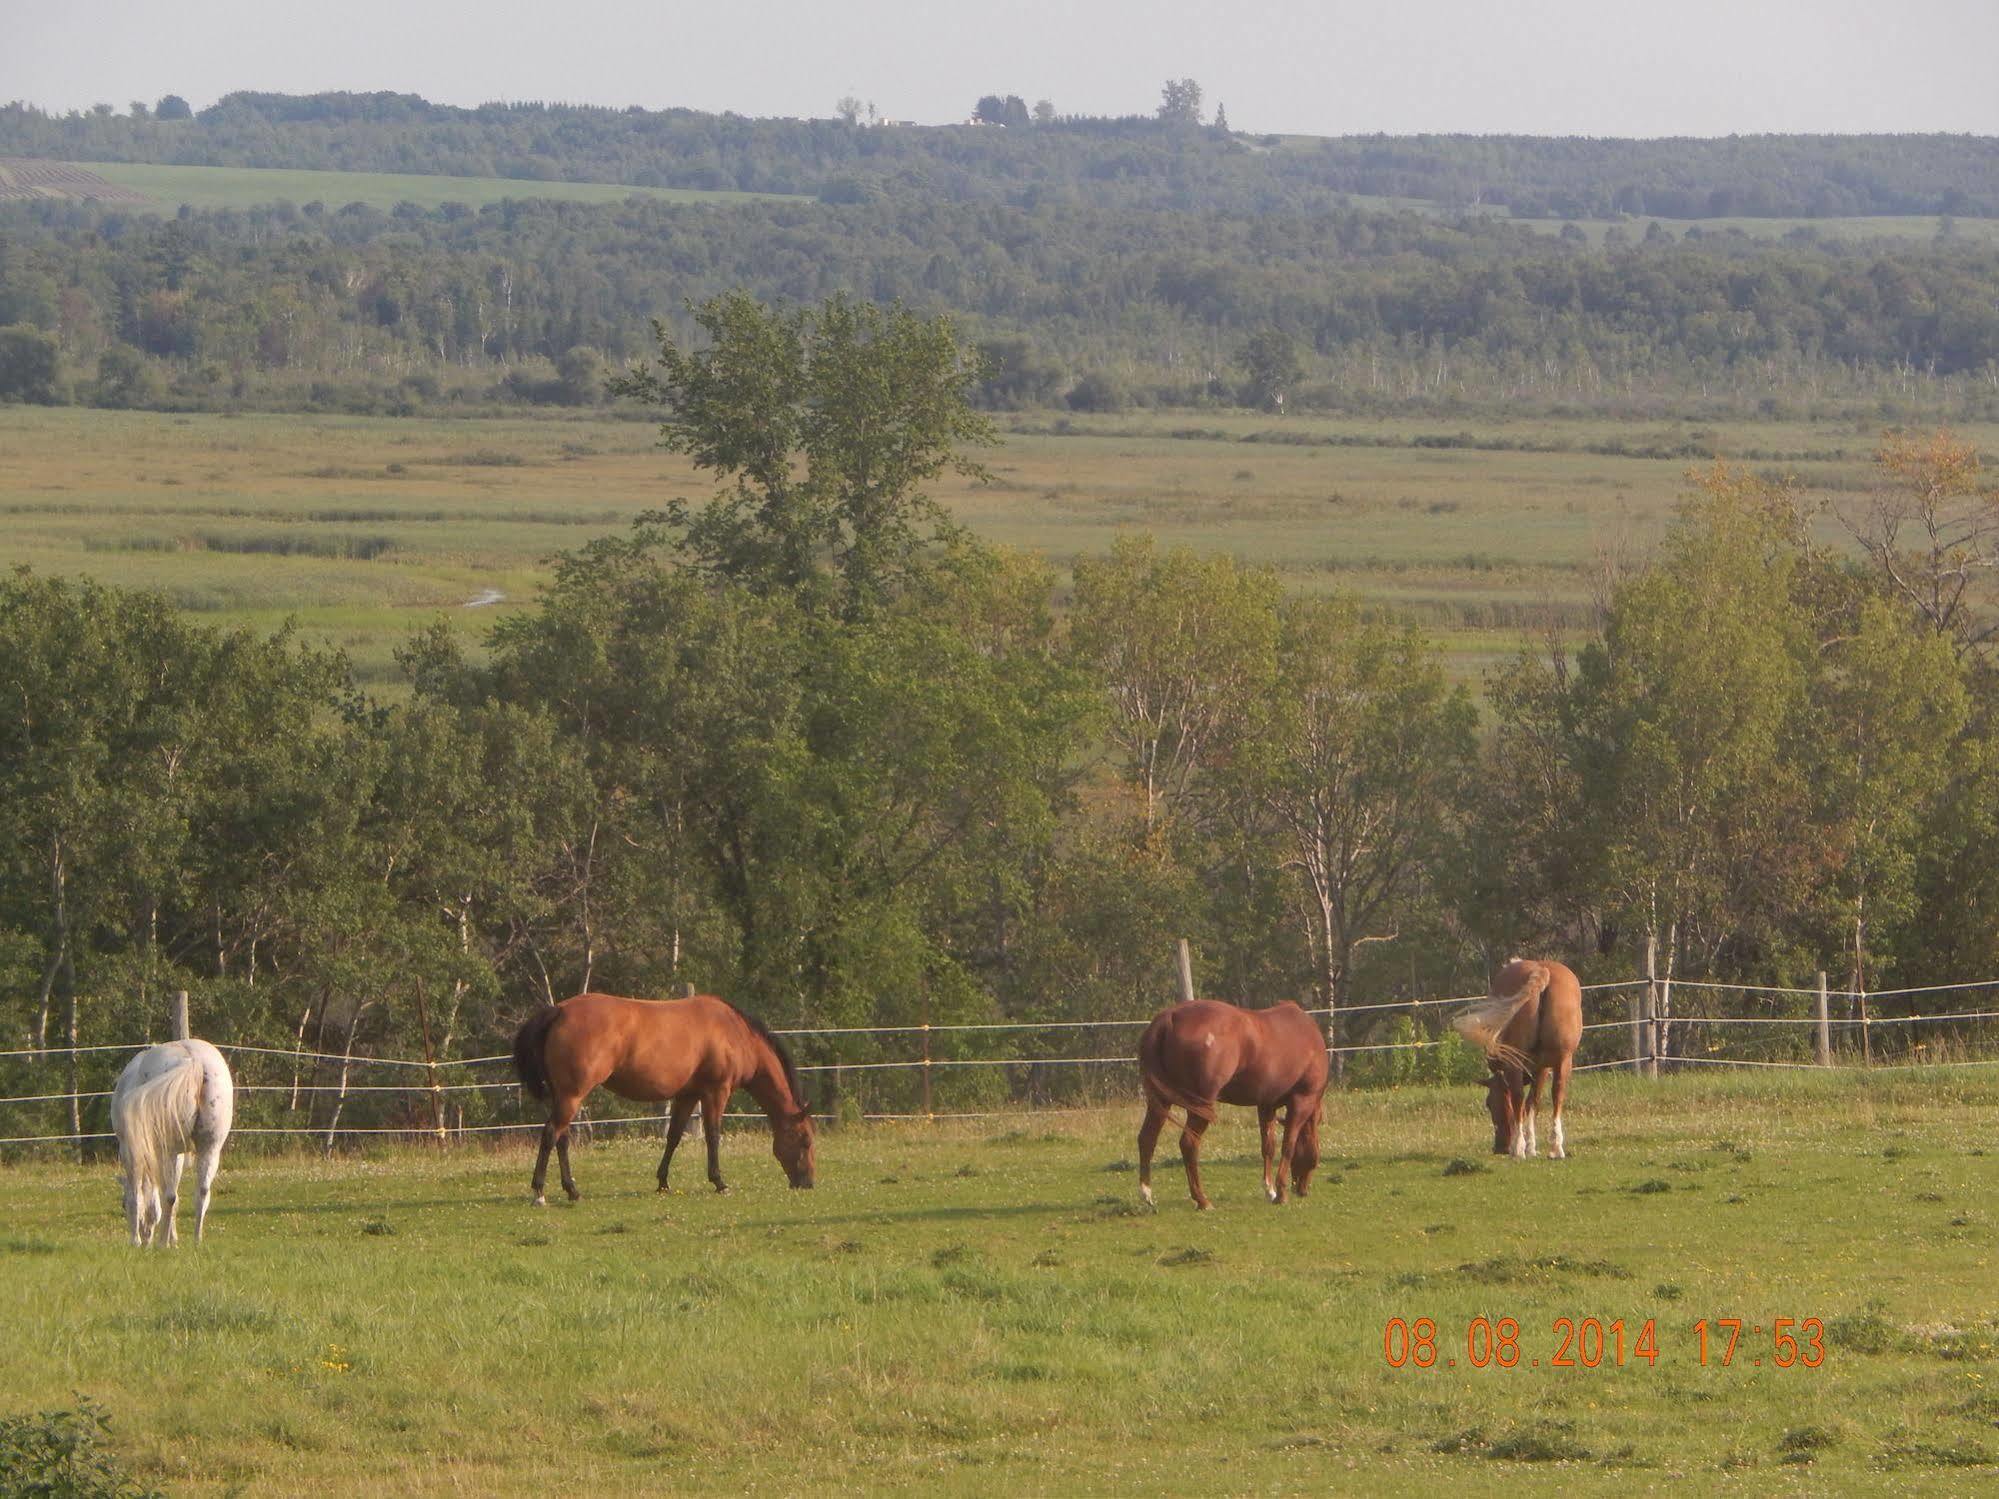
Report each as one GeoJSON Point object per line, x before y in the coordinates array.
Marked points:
{"type": "Point", "coordinates": [1485, 534]}
{"type": "Point", "coordinates": [983, 1306]}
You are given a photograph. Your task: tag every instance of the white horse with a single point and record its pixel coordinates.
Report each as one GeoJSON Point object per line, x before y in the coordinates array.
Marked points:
{"type": "Point", "coordinates": [171, 1099]}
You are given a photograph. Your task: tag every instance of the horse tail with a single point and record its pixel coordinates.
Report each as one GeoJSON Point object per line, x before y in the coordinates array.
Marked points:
{"type": "Point", "coordinates": [530, 1046]}
{"type": "Point", "coordinates": [154, 1116]}
{"type": "Point", "coordinates": [1482, 1023]}
{"type": "Point", "coordinates": [1152, 1077]}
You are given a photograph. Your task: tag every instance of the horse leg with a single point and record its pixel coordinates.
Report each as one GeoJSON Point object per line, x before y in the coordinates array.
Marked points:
{"type": "Point", "coordinates": [135, 1206]}
{"type": "Point", "coordinates": [1518, 1103]}
{"type": "Point", "coordinates": [1148, 1136]}
{"type": "Point", "coordinates": [560, 1112]}
{"type": "Point", "coordinates": [207, 1159]}
{"type": "Point", "coordinates": [170, 1159]}
{"type": "Point", "coordinates": [1190, 1152]}
{"type": "Point", "coordinates": [1266, 1123]}
{"type": "Point", "coordinates": [1294, 1126]}
{"type": "Point", "coordinates": [712, 1106]}
{"type": "Point", "coordinates": [562, 1157]}
{"type": "Point", "coordinates": [1559, 1094]}
{"type": "Point", "coordinates": [683, 1106]}
{"type": "Point", "coordinates": [1529, 1107]}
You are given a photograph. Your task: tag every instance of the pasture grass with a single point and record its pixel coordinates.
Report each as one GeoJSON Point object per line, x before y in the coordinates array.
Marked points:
{"type": "Point", "coordinates": [983, 1306]}
{"type": "Point", "coordinates": [248, 187]}
{"type": "Point", "coordinates": [363, 528]}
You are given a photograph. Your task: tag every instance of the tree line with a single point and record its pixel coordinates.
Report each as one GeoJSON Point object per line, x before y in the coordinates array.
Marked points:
{"type": "Point", "coordinates": [1092, 307]}
{"type": "Point", "coordinates": [805, 743]}
{"type": "Point", "coordinates": [1163, 159]}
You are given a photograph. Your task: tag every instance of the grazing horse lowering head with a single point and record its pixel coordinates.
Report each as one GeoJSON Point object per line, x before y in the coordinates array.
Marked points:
{"type": "Point", "coordinates": [791, 1143]}
{"type": "Point", "coordinates": [1529, 1025]}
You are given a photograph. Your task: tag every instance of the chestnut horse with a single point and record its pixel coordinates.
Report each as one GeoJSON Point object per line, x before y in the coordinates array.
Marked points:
{"type": "Point", "coordinates": [696, 1050]}
{"type": "Point", "coordinates": [1530, 1025]}
{"type": "Point", "coordinates": [1205, 1052]}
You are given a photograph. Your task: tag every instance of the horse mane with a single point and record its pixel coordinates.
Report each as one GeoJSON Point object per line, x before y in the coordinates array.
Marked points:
{"type": "Point", "coordinates": [784, 1057]}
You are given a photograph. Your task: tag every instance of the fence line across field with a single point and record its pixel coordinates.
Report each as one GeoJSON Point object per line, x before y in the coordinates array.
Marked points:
{"type": "Point", "coordinates": [1647, 1021]}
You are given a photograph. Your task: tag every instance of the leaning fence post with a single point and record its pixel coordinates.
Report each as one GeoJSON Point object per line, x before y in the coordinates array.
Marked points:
{"type": "Point", "coordinates": [1825, 1025]}
{"type": "Point", "coordinates": [180, 1015]}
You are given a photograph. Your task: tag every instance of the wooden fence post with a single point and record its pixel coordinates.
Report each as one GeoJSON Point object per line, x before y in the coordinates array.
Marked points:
{"type": "Point", "coordinates": [180, 1015]}
{"type": "Point", "coordinates": [1186, 972]}
{"type": "Point", "coordinates": [1825, 1026]}
{"type": "Point", "coordinates": [1651, 1006]}
{"type": "Point", "coordinates": [430, 1065]}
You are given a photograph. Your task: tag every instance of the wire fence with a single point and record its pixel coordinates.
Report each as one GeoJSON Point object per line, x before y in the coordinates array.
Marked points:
{"type": "Point", "coordinates": [986, 1069]}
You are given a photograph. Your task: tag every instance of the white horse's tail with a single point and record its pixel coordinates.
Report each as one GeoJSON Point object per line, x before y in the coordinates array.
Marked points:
{"type": "Point", "coordinates": [156, 1116]}
{"type": "Point", "coordinates": [1482, 1023]}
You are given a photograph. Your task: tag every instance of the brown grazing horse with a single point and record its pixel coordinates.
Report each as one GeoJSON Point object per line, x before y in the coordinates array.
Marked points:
{"type": "Point", "coordinates": [1205, 1052]}
{"type": "Point", "coordinates": [697, 1050]}
{"type": "Point", "coordinates": [1530, 1025]}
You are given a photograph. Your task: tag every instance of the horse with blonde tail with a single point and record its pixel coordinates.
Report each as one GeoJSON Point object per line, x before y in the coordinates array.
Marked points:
{"type": "Point", "coordinates": [1528, 1027]}
{"type": "Point", "coordinates": [171, 1100]}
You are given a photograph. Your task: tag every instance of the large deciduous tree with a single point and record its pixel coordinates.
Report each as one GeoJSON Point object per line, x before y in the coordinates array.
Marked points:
{"type": "Point", "coordinates": [823, 424]}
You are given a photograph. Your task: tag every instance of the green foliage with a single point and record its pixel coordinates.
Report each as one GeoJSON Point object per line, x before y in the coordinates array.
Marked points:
{"type": "Point", "coordinates": [56, 1455]}
{"type": "Point", "coordinates": [1271, 366]}
{"type": "Point", "coordinates": [28, 365]}
{"type": "Point", "coordinates": [825, 422]}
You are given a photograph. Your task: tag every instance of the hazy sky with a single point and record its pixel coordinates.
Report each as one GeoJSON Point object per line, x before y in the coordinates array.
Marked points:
{"type": "Point", "coordinates": [1584, 67]}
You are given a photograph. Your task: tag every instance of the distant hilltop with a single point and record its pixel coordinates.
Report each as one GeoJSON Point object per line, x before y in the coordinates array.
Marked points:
{"type": "Point", "coordinates": [1178, 162]}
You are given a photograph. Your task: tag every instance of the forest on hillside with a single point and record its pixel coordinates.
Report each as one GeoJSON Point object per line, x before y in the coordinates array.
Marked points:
{"type": "Point", "coordinates": [345, 307]}
{"type": "Point", "coordinates": [1164, 160]}
{"type": "Point", "coordinates": [810, 747]}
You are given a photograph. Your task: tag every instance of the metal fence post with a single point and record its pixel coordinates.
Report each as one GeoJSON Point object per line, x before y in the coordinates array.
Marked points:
{"type": "Point", "coordinates": [1637, 1006]}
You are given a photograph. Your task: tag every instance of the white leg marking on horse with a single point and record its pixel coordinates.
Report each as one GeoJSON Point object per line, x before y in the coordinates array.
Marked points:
{"type": "Point", "coordinates": [1520, 1141]}
{"type": "Point", "coordinates": [1270, 1191]}
{"type": "Point", "coordinates": [1533, 1146]}
{"type": "Point", "coordinates": [1560, 1152]}
{"type": "Point", "coordinates": [1145, 1193]}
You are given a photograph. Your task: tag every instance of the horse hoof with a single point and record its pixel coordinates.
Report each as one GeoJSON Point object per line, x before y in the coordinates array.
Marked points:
{"type": "Point", "coordinates": [1145, 1196]}
{"type": "Point", "coordinates": [1203, 1206]}
{"type": "Point", "coordinates": [575, 1196]}
{"type": "Point", "coordinates": [1272, 1194]}
{"type": "Point", "coordinates": [538, 1200]}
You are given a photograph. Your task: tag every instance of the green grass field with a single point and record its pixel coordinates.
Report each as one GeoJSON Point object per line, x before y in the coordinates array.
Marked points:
{"type": "Point", "coordinates": [247, 187]}
{"type": "Point", "coordinates": [983, 1307]}
{"type": "Point", "coordinates": [365, 527]}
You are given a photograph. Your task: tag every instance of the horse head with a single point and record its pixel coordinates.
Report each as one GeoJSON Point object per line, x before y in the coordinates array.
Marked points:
{"type": "Point", "coordinates": [791, 1143]}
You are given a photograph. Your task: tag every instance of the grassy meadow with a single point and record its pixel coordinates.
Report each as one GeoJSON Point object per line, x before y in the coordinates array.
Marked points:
{"type": "Point", "coordinates": [362, 528]}
{"type": "Point", "coordinates": [983, 1307]}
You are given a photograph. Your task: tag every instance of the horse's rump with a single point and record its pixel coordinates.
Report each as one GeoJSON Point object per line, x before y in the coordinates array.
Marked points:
{"type": "Point", "coordinates": [1484, 1024]}
{"type": "Point", "coordinates": [1152, 1076]}
{"type": "Point", "coordinates": [156, 1117]}
{"type": "Point", "coordinates": [530, 1042]}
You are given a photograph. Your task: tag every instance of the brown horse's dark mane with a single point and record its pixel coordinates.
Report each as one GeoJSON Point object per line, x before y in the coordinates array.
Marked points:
{"type": "Point", "coordinates": [784, 1057]}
